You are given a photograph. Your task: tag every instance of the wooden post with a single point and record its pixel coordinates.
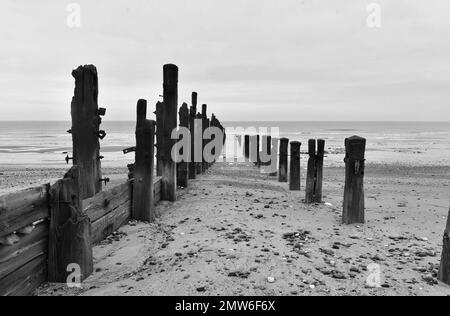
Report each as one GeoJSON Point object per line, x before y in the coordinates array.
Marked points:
{"type": "Point", "coordinates": [192, 114]}
{"type": "Point", "coordinates": [169, 168]}
{"type": "Point", "coordinates": [294, 177]}
{"type": "Point", "coordinates": [246, 147]}
{"type": "Point", "coordinates": [70, 235]}
{"type": "Point", "coordinates": [159, 136]}
{"type": "Point", "coordinates": [213, 124]}
{"type": "Point", "coordinates": [444, 270]}
{"type": "Point", "coordinates": [283, 164]}
{"type": "Point", "coordinates": [205, 118]}
{"type": "Point", "coordinates": [208, 125]}
{"type": "Point", "coordinates": [199, 164]}
{"type": "Point", "coordinates": [258, 150]}
{"type": "Point", "coordinates": [143, 187]}
{"type": "Point", "coordinates": [319, 170]}
{"type": "Point", "coordinates": [85, 130]}
{"type": "Point", "coordinates": [182, 168]}
{"type": "Point", "coordinates": [355, 148]}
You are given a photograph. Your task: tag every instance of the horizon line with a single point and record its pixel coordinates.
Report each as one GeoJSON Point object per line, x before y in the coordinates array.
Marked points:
{"type": "Point", "coordinates": [264, 121]}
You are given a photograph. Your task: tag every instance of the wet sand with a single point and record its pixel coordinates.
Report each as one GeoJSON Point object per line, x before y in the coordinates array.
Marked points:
{"type": "Point", "coordinates": [235, 231]}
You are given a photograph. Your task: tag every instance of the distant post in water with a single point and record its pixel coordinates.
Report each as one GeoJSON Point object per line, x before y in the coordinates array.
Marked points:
{"type": "Point", "coordinates": [182, 167]}
{"type": "Point", "coordinates": [192, 114]}
{"type": "Point", "coordinates": [353, 212]}
{"type": "Point", "coordinates": [86, 131]}
{"type": "Point", "coordinates": [159, 136]}
{"type": "Point", "coordinates": [283, 163]}
{"type": "Point", "coordinates": [444, 270]}
{"type": "Point", "coordinates": [169, 169]}
{"type": "Point", "coordinates": [294, 176]}
{"type": "Point", "coordinates": [143, 198]}
{"type": "Point", "coordinates": [314, 178]}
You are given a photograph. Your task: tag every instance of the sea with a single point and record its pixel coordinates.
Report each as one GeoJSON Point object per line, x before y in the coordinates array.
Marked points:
{"type": "Point", "coordinates": [44, 144]}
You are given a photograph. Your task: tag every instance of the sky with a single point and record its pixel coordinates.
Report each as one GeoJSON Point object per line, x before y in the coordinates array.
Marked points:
{"type": "Point", "coordinates": [249, 60]}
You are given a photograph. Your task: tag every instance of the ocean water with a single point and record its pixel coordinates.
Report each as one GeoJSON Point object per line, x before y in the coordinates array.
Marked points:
{"type": "Point", "coordinates": [45, 144]}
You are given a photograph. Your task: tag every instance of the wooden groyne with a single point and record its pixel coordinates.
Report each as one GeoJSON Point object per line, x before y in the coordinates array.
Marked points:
{"type": "Point", "coordinates": [47, 232]}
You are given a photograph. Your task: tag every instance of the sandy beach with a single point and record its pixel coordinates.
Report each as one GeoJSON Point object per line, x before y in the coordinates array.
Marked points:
{"type": "Point", "coordinates": [236, 232]}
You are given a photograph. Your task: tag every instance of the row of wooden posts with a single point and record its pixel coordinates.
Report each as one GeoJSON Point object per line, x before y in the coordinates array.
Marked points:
{"type": "Point", "coordinates": [172, 174]}
{"type": "Point", "coordinates": [353, 206]}
{"type": "Point", "coordinates": [355, 164]}
{"type": "Point", "coordinates": [70, 240]}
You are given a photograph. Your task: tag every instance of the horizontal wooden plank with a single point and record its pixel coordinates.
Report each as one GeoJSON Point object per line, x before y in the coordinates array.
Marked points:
{"type": "Point", "coordinates": [105, 202]}
{"type": "Point", "coordinates": [25, 280]}
{"type": "Point", "coordinates": [109, 223]}
{"type": "Point", "coordinates": [23, 208]}
{"type": "Point", "coordinates": [28, 248]}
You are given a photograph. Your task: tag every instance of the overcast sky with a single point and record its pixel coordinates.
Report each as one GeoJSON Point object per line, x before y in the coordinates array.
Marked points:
{"type": "Point", "coordinates": [248, 59]}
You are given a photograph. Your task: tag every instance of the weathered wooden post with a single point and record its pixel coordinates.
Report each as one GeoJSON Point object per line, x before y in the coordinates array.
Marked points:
{"type": "Point", "coordinates": [199, 138]}
{"type": "Point", "coordinates": [355, 148]}
{"type": "Point", "coordinates": [143, 187]}
{"type": "Point", "coordinates": [168, 165]}
{"type": "Point", "coordinates": [85, 130]}
{"type": "Point", "coordinates": [205, 122]}
{"type": "Point", "coordinates": [213, 124]}
{"type": "Point", "coordinates": [182, 167]}
{"type": "Point", "coordinates": [294, 176]}
{"type": "Point", "coordinates": [444, 270]}
{"type": "Point", "coordinates": [258, 151]}
{"type": "Point", "coordinates": [314, 178]}
{"type": "Point", "coordinates": [208, 125]}
{"type": "Point", "coordinates": [283, 164]}
{"type": "Point", "coordinates": [70, 234]}
{"type": "Point", "coordinates": [159, 136]}
{"type": "Point", "coordinates": [192, 114]}
{"type": "Point", "coordinates": [319, 170]}
{"type": "Point", "coordinates": [246, 147]}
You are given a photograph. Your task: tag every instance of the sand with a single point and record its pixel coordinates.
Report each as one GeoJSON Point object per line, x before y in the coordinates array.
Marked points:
{"type": "Point", "coordinates": [236, 231]}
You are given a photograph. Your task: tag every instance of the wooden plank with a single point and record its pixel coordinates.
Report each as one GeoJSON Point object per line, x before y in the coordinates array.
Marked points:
{"type": "Point", "coordinates": [85, 130]}
{"type": "Point", "coordinates": [119, 216]}
{"type": "Point", "coordinates": [25, 280]}
{"type": "Point", "coordinates": [111, 222]}
{"type": "Point", "coordinates": [23, 208]}
{"type": "Point", "coordinates": [28, 248]}
{"type": "Point", "coordinates": [105, 202]}
{"type": "Point", "coordinates": [70, 230]}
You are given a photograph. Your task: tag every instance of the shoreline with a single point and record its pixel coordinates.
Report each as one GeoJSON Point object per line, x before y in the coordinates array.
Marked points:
{"type": "Point", "coordinates": [18, 177]}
